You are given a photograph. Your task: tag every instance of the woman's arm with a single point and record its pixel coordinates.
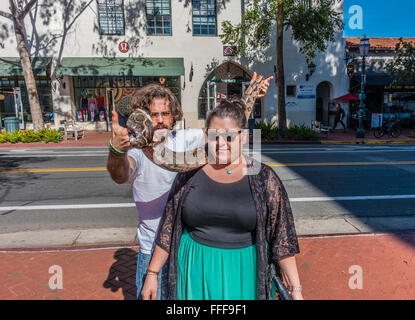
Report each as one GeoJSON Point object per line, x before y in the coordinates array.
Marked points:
{"type": "Point", "coordinates": [289, 271]}
{"type": "Point", "coordinates": [159, 258]}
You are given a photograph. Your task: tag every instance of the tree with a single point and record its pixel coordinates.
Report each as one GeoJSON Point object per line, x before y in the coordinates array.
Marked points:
{"type": "Point", "coordinates": [312, 22]}
{"type": "Point", "coordinates": [402, 67]}
{"type": "Point", "coordinates": [18, 11]}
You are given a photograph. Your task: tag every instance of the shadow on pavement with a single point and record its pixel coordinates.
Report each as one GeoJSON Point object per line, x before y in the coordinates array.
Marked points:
{"type": "Point", "coordinates": [122, 274]}
{"type": "Point", "coordinates": [339, 181]}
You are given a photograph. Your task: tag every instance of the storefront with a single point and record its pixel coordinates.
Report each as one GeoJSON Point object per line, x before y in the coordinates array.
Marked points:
{"type": "Point", "coordinates": [104, 84]}
{"type": "Point", "coordinates": [12, 85]}
{"type": "Point", "coordinates": [383, 97]}
{"type": "Point", "coordinates": [227, 81]}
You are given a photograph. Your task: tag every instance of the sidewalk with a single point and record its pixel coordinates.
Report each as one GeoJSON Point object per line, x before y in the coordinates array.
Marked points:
{"type": "Point", "coordinates": [349, 137]}
{"type": "Point", "coordinates": [91, 139]}
{"type": "Point", "coordinates": [325, 266]}
{"type": "Point", "coordinates": [101, 139]}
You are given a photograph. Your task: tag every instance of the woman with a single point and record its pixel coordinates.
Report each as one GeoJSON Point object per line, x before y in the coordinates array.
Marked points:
{"type": "Point", "coordinates": [224, 230]}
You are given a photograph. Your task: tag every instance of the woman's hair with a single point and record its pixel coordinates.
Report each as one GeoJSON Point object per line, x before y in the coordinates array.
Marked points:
{"type": "Point", "coordinates": [234, 109]}
{"type": "Point", "coordinates": [145, 95]}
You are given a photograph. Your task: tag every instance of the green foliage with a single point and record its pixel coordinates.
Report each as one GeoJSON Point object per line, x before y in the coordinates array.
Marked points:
{"type": "Point", "coordinates": [50, 135]}
{"type": "Point", "coordinates": [269, 131]}
{"type": "Point", "coordinates": [29, 136]}
{"type": "Point", "coordinates": [402, 67]}
{"type": "Point", "coordinates": [301, 133]}
{"type": "Point", "coordinates": [313, 23]}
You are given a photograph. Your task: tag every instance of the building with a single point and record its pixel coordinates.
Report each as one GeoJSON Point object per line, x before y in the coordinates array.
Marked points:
{"type": "Point", "coordinates": [383, 96]}
{"type": "Point", "coordinates": [108, 49]}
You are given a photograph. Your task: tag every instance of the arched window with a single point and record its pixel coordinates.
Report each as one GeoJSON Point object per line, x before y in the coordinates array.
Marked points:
{"type": "Point", "coordinates": [227, 81]}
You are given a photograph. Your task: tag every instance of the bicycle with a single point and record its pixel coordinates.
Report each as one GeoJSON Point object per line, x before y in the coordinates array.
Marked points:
{"type": "Point", "coordinates": [391, 128]}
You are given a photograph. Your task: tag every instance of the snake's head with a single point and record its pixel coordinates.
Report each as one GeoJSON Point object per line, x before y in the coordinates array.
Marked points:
{"type": "Point", "coordinates": [140, 129]}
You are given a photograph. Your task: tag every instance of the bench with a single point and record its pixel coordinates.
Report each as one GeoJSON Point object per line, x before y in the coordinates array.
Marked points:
{"type": "Point", "coordinates": [320, 128]}
{"type": "Point", "coordinates": [74, 130]}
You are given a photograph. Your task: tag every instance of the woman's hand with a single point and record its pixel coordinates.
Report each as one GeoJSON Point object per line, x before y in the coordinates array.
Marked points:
{"type": "Point", "coordinates": [149, 291]}
{"type": "Point", "coordinates": [297, 296]}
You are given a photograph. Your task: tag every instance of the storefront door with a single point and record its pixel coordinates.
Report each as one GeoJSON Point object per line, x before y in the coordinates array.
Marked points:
{"type": "Point", "coordinates": [211, 95]}
{"type": "Point", "coordinates": [110, 106]}
{"type": "Point", "coordinates": [18, 106]}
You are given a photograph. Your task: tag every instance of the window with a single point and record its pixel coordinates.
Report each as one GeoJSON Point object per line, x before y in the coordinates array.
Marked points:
{"type": "Point", "coordinates": [158, 17]}
{"type": "Point", "coordinates": [291, 91]}
{"type": "Point", "coordinates": [111, 17]}
{"type": "Point", "coordinates": [204, 17]}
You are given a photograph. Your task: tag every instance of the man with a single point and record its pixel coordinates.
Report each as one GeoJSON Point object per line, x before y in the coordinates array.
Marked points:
{"type": "Point", "coordinates": [150, 183]}
{"type": "Point", "coordinates": [339, 117]}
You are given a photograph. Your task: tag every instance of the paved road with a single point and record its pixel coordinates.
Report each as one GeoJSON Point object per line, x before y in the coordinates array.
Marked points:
{"type": "Point", "coordinates": [322, 182]}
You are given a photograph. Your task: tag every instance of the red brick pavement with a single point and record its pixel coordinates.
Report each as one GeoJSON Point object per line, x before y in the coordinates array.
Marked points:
{"type": "Point", "coordinates": [387, 262]}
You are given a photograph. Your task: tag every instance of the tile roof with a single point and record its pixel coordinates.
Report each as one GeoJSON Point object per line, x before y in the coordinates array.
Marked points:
{"type": "Point", "coordinates": [377, 43]}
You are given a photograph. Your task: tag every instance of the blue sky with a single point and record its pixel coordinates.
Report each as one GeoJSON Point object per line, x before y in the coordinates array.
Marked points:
{"type": "Point", "coordinates": [379, 18]}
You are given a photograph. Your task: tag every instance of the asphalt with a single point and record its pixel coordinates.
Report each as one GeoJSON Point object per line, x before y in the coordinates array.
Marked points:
{"type": "Point", "coordinates": [346, 251]}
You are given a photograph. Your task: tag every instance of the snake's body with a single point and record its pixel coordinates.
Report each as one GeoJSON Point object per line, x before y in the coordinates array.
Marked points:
{"type": "Point", "coordinates": [139, 125]}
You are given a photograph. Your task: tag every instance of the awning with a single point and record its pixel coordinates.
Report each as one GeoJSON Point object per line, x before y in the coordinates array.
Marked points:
{"type": "Point", "coordinates": [375, 79]}
{"type": "Point", "coordinates": [121, 67]}
{"type": "Point", "coordinates": [13, 67]}
{"type": "Point", "coordinates": [348, 96]}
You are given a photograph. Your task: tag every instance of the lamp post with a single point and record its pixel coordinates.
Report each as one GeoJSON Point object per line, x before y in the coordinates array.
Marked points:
{"type": "Point", "coordinates": [364, 47]}
{"type": "Point", "coordinates": [311, 68]}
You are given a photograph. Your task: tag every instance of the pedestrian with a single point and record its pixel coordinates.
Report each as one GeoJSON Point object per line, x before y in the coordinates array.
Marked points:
{"type": "Point", "coordinates": [339, 116]}
{"type": "Point", "coordinates": [150, 183]}
{"type": "Point", "coordinates": [226, 233]}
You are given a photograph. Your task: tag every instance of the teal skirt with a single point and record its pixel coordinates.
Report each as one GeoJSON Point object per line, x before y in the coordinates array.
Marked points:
{"type": "Point", "coordinates": [208, 273]}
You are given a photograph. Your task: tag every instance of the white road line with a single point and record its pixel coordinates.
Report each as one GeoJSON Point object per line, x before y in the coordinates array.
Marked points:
{"type": "Point", "coordinates": [353, 198]}
{"type": "Point", "coordinates": [69, 206]}
{"type": "Point", "coordinates": [131, 205]}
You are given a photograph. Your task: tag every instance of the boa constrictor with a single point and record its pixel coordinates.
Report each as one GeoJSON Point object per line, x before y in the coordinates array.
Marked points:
{"type": "Point", "coordinates": [140, 129]}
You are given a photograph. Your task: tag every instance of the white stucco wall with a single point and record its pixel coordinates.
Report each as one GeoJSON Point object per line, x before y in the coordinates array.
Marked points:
{"type": "Point", "coordinates": [82, 40]}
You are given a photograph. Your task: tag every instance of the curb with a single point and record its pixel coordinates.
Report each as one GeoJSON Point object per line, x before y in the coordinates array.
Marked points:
{"type": "Point", "coordinates": [370, 142]}
{"type": "Point", "coordinates": [55, 145]}
{"type": "Point", "coordinates": [88, 239]}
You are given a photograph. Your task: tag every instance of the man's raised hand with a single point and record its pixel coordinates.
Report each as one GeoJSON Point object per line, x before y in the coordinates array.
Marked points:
{"type": "Point", "coordinates": [120, 137]}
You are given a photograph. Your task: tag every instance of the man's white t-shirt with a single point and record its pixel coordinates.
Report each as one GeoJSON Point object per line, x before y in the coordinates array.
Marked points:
{"type": "Point", "coordinates": [151, 185]}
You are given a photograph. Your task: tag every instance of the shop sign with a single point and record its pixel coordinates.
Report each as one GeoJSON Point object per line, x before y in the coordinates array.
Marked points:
{"type": "Point", "coordinates": [306, 91]}
{"type": "Point", "coordinates": [2, 45]}
{"type": "Point", "coordinates": [124, 47]}
{"type": "Point", "coordinates": [229, 51]}
{"type": "Point", "coordinates": [377, 120]}
{"type": "Point", "coordinates": [351, 67]}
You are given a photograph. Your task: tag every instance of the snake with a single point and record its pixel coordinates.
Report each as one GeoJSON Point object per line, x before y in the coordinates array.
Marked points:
{"type": "Point", "coordinates": [140, 130]}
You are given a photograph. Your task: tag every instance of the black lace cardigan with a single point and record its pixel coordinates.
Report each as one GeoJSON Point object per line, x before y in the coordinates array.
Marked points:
{"type": "Point", "coordinates": [276, 237]}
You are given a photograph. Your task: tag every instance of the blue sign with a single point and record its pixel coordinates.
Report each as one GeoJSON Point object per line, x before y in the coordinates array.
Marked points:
{"type": "Point", "coordinates": [379, 18]}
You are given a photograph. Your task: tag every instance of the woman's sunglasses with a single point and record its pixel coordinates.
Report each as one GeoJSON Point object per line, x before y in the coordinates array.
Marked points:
{"type": "Point", "coordinates": [228, 136]}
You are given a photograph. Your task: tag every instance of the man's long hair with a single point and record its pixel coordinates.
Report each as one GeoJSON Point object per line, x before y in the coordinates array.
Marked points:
{"type": "Point", "coordinates": [145, 95]}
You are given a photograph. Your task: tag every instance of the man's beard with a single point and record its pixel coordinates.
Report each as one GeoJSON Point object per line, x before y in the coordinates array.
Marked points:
{"type": "Point", "coordinates": [160, 132]}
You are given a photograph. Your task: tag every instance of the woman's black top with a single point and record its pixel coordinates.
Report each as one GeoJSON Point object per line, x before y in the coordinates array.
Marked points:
{"type": "Point", "coordinates": [220, 215]}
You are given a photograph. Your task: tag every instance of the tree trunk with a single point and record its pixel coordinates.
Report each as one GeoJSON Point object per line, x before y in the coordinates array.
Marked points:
{"type": "Point", "coordinates": [280, 79]}
{"type": "Point", "coordinates": [32, 94]}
